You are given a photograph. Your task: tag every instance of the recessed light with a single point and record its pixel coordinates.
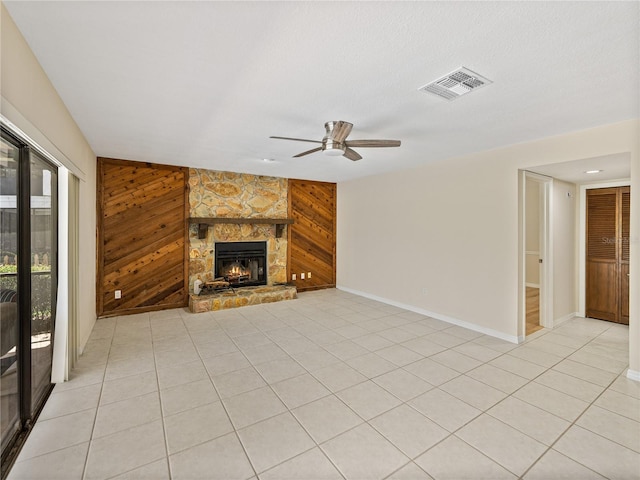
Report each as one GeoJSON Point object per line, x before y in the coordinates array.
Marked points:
{"type": "Point", "coordinates": [268, 160]}
{"type": "Point", "coordinates": [593, 171]}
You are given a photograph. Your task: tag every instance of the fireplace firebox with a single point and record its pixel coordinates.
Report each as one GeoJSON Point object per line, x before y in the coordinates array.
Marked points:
{"type": "Point", "coordinates": [241, 263]}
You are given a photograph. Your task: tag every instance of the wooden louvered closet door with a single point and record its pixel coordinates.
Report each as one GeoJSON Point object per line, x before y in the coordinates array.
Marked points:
{"type": "Point", "coordinates": [607, 262]}
{"type": "Point", "coordinates": [624, 260]}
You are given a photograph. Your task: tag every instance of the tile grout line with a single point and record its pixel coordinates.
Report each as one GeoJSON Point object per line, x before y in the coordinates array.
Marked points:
{"type": "Point", "coordinates": [396, 343]}
{"type": "Point", "coordinates": [316, 445]}
{"type": "Point", "coordinates": [222, 404]}
{"type": "Point", "coordinates": [136, 396]}
{"type": "Point", "coordinates": [95, 418]}
{"type": "Point", "coordinates": [486, 410]}
{"type": "Point", "coordinates": [162, 419]}
{"type": "Point", "coordinates": [334, 394]}
{"type": "Point", "coordinates": [550, 447]}
{"type": "Point", "coordinates": [530, 381]}
{"type": "Point", "coordinates": [367, 422]}
{"type": "Point", "coordinates": [550, 368]}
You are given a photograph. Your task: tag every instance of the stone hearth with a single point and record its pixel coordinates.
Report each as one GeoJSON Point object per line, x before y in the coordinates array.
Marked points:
{"type": "Point", "coordinates": [240, 297]}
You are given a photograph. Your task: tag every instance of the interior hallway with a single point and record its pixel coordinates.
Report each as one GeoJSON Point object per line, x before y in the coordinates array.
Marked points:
{"type": "Point", "coordinates": [533, 311]}
{"type": "Point", "coordinates": [333, 385]}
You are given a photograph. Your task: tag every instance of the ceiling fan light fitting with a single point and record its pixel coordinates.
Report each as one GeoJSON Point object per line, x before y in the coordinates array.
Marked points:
{"type": "Point", "coordinates": [333, 152]}
{"type": "Point", "coordinates": [333, 149]}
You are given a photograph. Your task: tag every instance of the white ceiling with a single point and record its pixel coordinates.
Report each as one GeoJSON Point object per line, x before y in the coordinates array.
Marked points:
{"type": "Point", "coordinates": [204, 84]}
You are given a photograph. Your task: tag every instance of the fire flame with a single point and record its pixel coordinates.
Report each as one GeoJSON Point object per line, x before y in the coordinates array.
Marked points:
{"type": "Point", "coordinates": [236, 270]}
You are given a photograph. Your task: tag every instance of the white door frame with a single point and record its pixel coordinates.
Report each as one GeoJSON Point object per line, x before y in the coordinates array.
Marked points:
{"type": "Point", "coordinates": [546, 251]}
{"type": "Point", "coordinates": [582, 239]}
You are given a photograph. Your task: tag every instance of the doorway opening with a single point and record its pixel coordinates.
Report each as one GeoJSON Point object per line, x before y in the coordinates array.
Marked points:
{"type": "Point", "coordinates": [536, 253]}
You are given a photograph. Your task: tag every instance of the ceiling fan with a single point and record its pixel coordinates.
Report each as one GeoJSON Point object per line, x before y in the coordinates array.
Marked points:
{"type": "Point", "coordinates": [335, 141]}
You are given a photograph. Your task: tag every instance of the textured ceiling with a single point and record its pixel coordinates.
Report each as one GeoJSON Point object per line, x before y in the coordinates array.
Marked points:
{"type": "Point", "coordinates": [204, 84]}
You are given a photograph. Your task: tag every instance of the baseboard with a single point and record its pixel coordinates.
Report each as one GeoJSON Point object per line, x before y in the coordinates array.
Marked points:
{"type": "Point", "coordinates": [633, 375]}
{"type": "Point", "coordinates": [559, 321]}
{"type": "Point", "coordinates": [437, 316]}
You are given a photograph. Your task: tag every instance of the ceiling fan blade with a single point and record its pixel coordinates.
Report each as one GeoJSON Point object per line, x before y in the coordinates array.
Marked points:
{"type": "Point", "coordinates": [372, 143]}
{"type": "Point", "coordinates": [340, 130]}
{"type": "Point", "coordinates": [351, 154]}
{"type": "Point", "coordinates": [313, 150]}
{"type": "Point", "coordinates": [297, 139]}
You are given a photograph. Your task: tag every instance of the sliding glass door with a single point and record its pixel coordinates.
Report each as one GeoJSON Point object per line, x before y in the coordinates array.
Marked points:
{"type": "Point", "coordinates": [28, 285]}
{"type": "Point", "coordinates": [9, 379]}
{"type": "Point", "coordinates": [43, 185]}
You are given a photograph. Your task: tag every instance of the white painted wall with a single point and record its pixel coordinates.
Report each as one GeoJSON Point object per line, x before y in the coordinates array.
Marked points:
{"type": "Point", "coordinates": [30, 102]}
{"type": "Point", "coordinates": [565, 247]}
{"type": "Point", "coordinates": [454, 224]}
{"type": "Point", "coordinates": [450, 230]}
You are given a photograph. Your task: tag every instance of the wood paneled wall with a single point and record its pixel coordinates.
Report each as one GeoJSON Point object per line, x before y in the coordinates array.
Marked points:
{"type": "Point", "coordinates": [312, 237]}
{"type": "Point", "coordinates": [142, 225]}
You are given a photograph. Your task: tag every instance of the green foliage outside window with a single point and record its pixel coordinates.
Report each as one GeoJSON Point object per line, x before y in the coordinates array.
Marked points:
{"type": "Point", "coordinates": [40, 293]}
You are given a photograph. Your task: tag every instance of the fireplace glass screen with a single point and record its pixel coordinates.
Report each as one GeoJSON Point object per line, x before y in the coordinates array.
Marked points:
{"type": "Point", "coordinates": [241, 263]}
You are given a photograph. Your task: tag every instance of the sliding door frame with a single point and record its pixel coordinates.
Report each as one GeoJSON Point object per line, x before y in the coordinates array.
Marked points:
{"type": "Point", "coordinates": [28, 413]}
{"type": "Point", "coordinates": [24, 285]}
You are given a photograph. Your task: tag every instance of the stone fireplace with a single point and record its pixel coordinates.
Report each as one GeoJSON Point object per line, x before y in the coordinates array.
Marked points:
{"type": "Point", "coordinates": [243, 207]}
{"type": "Point", "coordinates": [231, 196]}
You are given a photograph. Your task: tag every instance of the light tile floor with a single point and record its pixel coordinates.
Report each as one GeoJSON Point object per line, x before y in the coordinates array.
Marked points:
{"type": "Point", "coordinates": [335, 386]}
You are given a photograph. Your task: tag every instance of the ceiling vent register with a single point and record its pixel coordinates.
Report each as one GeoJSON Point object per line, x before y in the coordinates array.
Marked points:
{"type": "Point", "coordinates": [456, 84]}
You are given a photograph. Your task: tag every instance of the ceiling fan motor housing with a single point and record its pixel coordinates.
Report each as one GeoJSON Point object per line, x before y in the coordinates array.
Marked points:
{"type": "Point", "coordinates": [332, 146]}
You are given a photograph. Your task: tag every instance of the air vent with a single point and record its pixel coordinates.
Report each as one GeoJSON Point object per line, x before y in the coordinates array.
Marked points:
{"type": "Point", "coordinates": [456, 84]}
